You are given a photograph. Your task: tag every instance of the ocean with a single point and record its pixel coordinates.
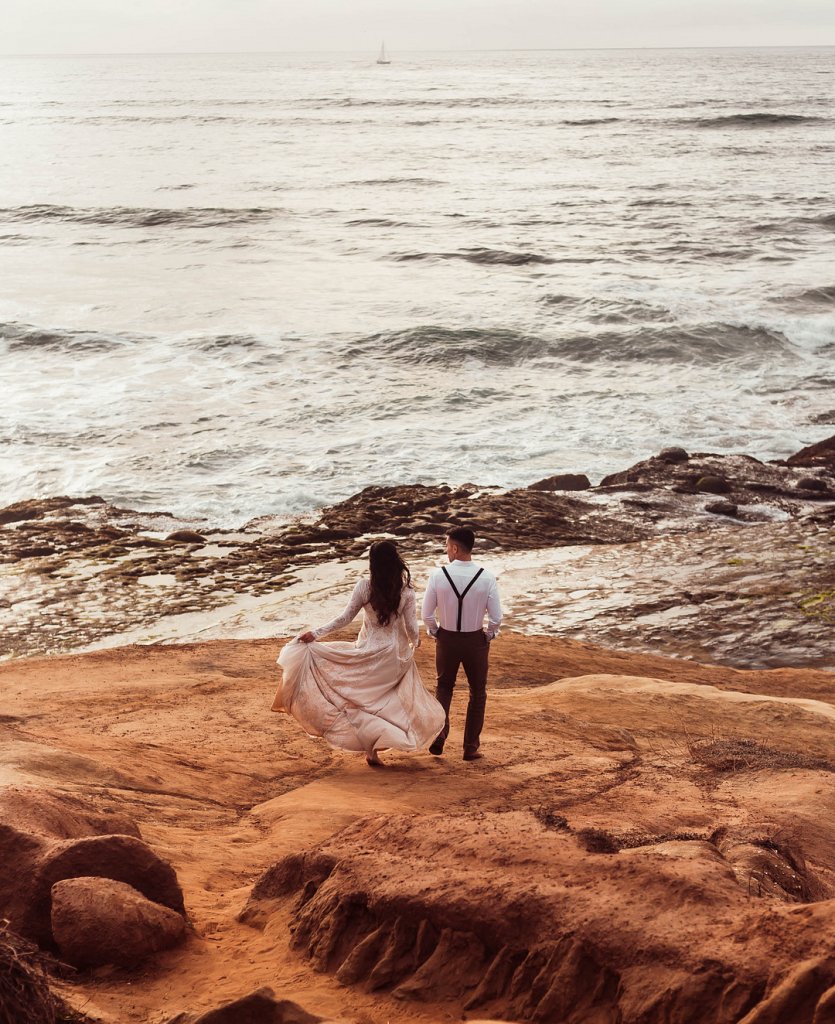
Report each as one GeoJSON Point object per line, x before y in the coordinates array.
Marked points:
{"type": "Point", "coordinates": [246, 284]}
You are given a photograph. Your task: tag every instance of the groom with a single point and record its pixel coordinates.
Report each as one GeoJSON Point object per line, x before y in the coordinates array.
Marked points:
{"type": "Point", "coordinates": [462, 593]}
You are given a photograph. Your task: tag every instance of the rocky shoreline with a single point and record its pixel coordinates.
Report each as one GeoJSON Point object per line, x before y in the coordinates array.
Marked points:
{"type": "Point", "coordinates": [696, 555]}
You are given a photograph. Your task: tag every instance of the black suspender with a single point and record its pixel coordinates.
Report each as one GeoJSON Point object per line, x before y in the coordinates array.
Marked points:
{"type": "Point", "coordinates": [461, 596]}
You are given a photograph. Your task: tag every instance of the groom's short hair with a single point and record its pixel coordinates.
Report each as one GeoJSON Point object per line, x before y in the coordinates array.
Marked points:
{"type": "Point", "coordinates": [464, 536]}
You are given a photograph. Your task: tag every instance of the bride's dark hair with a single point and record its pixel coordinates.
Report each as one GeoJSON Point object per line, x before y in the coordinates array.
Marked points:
{"type": "Point", "coordinates": [389, 575]}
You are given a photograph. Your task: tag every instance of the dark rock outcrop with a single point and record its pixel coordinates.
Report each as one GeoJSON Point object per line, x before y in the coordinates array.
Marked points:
{"type": "Point", "coordinates": [259, 1007]}
{"type": "Point", "coordinates": [821, 454]}
{"type": "Point", "coordinates": [37, 508]}
{"type": "Point", "coordinates": [712, 484]}
{"type": "Point", "coordinates": [673, 455]}
{"type": "Point", "coordinates": [562, 482]}
{"type": "Point", "coordinates": [97, 921]}
{"type": "Point", "coordinates": [722, 508]}
{"type": "Point", "coordinates": [186, 537]}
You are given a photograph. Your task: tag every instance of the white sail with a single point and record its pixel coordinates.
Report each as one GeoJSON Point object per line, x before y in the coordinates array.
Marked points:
{"type": "Point", "coordinates": [383, 59]}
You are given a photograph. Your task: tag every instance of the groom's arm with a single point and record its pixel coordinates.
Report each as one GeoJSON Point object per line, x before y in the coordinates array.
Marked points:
{"type": "Point", "coordinates": [430, 603]}
{"type": "Point", "coordinates": [494, 611]}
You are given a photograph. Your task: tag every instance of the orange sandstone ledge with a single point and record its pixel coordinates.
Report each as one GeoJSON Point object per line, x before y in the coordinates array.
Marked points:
{"type": "Point", "coordinates": [649, 839]}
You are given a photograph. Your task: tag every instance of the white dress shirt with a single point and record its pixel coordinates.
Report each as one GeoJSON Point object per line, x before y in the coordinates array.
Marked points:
{"type": "Point", "coordinates": [482, 598]}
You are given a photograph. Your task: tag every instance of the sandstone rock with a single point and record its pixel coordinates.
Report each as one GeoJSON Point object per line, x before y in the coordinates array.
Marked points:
{"type": "Point", "coordinates": [721, 508]}
{"type": "Point", "coordinates": [562, 482]}
{"type": "Point", "coordinates": [186, 537]}
{"type": "Point", "coordinates": [673, 455]}
{"type": "Point", "coordinates": [97, 921]}
{"type": "Point", "coordinates": [558, 933]}
{"type": "Point", "coordinates": [516, 519]}
{"type": "Point", "coordinates": [259, 1007]}
{"type": "Point", "coordinates": [712, 485]}
{"type": "Point", "coordinates": [798, 996]}
{"type": "Point", "coordinates": [46, 837]}
{"type": "Point", "coordinates": [58, 815]}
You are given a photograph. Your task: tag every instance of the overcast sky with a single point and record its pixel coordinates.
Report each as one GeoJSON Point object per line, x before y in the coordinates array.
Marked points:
{"type": "Point", "coordinates": [116, 26]}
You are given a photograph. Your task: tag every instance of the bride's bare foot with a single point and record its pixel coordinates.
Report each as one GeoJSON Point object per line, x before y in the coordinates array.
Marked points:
{"type": "Point", "coordinates": [373, 760]}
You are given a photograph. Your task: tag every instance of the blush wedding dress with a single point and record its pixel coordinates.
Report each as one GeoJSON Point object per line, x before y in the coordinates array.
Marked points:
{"type": "Point", "coordinates": [361, 696]}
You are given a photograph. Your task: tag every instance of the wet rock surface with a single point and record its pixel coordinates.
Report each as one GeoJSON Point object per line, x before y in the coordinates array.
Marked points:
{"type": "Point", "coordinates": [75, 570]}
{"type": "Point", "coordinates": [760, 596]}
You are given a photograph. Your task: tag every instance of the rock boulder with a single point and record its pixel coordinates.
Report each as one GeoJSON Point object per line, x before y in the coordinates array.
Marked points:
{"type": "Point", "coordinates": [97, 921]}
{"type": "Point", "coordinates": [259, 1007]}
{"type": "Point", "coordinates": [562, 482]}
{"type": "Point", "coordinates": [46, 837]}
{"type": "Point", "coordinates": [820, 454]}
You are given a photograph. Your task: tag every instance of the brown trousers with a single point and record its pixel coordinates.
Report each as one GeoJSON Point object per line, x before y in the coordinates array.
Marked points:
{"type": "Point", "coordinates": [470, 650]}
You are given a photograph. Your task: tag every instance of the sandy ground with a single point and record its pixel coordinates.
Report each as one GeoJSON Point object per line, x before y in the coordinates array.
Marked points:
{"type": "Point", "coordinates": [181, 739]}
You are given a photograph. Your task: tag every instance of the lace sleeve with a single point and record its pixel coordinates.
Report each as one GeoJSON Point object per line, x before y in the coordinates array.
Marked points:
{"type": "Point", "coordinates": [410, 617]}
{"type": "Point", "coordinates": [357, 600]}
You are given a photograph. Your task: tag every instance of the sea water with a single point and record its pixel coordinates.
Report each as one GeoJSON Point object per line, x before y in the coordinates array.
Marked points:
{"type": "Point", "coordinates": [245, 284]}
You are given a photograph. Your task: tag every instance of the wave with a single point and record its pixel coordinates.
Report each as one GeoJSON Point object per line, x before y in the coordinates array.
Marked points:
{"type": "Point", "coordinates": [445, 346]}
{"type": "Point", "coordinates": [705, 344]}
{"type": "Point", "coordinates": [221, 342]}
{"type": "Point", "coordinates": [583, 121]}
{"type": "Point", "coordinates": [825, 294]}
{"type": "Point", "coordinates": [378, 222]}
{"type": "Point", "coordinates": [24, 336]}
{"type": "Point", "coordinates": [20, 337]}
{"type": "Point", "coordinates": [826, 219]}
{"type": "Point", "coordinates": [608, 311]}
{"type": "Point", "coordinates": [415, 101]}
{"type": "Point", "coordinates": [675, 203]}
{"type": "Point", "coordinates": [123, 216]}
{"type": "Point", "coordinates": [756, 119]}
{"type": "Point", "coordinates": [485, 257]}
{"type": "Point", "coordinates": [395, 181]}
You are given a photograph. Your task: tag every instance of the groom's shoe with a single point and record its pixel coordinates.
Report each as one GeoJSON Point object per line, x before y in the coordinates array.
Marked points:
{"type": "Point", "coordinates": [472, 755]}
{"type": "Point", "coordinates": [437, 748]}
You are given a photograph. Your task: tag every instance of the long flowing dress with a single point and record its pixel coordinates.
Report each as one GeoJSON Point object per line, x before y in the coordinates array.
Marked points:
{"type": "Point", "coordinates": [366, 695]}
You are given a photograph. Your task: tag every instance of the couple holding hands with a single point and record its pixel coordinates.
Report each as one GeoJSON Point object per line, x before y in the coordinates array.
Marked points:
{"type": "Point", "coordinates": [368, 696]}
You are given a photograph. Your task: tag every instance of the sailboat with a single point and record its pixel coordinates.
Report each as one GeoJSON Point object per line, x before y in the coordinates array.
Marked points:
{"type": "Point", "coordinates": [383, 59]}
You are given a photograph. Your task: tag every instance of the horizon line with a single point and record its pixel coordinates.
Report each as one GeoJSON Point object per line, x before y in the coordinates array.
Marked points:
{"type": "Point", "coordinates": [478, 49]}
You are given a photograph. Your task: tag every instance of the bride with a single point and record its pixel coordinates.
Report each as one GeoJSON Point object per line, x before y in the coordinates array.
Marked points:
{"type": "Point", "coordinates": [364, 696]}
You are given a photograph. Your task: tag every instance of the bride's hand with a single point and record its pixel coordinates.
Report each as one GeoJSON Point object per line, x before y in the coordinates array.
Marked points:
{"type": "Point", "coordinates": [306, 638]}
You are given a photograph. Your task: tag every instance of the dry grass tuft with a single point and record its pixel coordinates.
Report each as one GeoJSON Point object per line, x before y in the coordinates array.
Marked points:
{"type": "Point", "coordinates": [24, 989]}
{"type": "Point", "coordinates": [25, 996]}
{"type": "Point", "coordinates": [739, 754]}
{"type": "Point", "coordinates": [550, 819]}
{"type": "Point", "coordinates": [596, 840]}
